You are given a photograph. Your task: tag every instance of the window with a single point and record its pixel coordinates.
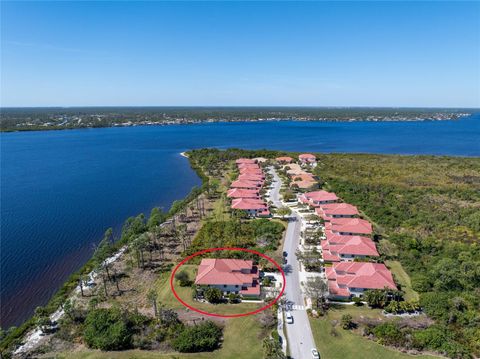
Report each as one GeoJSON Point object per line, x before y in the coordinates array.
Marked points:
{"type": "Point", "coordinates": [224, 286]}
{"type": "Point", "coordinates": [236, 286]}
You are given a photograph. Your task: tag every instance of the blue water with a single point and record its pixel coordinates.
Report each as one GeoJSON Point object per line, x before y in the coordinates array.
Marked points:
{"type": "Point", "coordinates": [60, 190]}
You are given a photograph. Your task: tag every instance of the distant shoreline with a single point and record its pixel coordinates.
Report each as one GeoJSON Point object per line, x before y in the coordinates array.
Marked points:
{"type": "Point", "coordinates": [45, 119]}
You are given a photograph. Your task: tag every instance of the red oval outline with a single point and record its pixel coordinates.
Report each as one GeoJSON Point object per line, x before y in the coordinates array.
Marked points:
{"type": "Point", "coordinates": [196, 254]}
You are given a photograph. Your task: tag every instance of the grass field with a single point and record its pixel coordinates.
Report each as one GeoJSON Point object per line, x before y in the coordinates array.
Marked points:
{"type": "Point", "coordinates": [403, 279]}
{"type": "Point", "coordinates": [346, 345]}
{"type": "Point", "coordinates": [242, 340]}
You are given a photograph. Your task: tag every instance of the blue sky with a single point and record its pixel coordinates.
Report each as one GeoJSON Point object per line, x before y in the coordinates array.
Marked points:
{"type": "Point", "coordinates": [232, 53]}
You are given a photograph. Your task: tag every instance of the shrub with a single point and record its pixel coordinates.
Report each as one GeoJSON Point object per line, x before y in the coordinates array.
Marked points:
{"type": "Point", "coordinates": [233, 298]}
{"type": "Point", "coordinates": [198, 338]}
{"type": "Point", "coordinates": [389, 334]}
{"type": "Point", "coordinates": [358, 301]}
{"type": "Point", "coordinates": [347, 322]}
{"type": "Point", "coordinates": [266, 282]}
{"type": "Point", "coordinates": [183, 279]}
{"type": "Point", "coordinates": [107, 329]}
{"type": "Point", "coordinates": [432, 338]}
{"type": "Point", "coordinates": [213, 295]}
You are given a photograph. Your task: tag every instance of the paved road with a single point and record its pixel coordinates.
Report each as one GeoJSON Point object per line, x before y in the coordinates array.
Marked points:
{"type": "Point", "coordinates": [299, 334]}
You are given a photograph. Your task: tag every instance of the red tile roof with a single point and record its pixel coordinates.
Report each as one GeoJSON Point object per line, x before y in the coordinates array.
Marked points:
{"type": "Point", "coordinates": [251, 171]}
{"type": "Point", "coordinates": [336, 209]}
{"type": "Point", "coordinates": [335, 290]}
{"type": "Point", "coordinates": [248, 165]}
{"type": "Point", "coordinates": [349, 225]}
{"type": "Point", "coordinates": [244, 160]}
{"type": "Point", "coordinates": [350, 245]}
{"type": "Point", "coordinates": [264, 213]}
{"type": "Point", "coordinates": [249, 204]}
{"type": "Point", "coordinates": [242, 193]}
{"type": "Point", "coordinates": [361, 275]}
{"type": "Point", "coordinates": [250, 177]}
{"type": "Point", "coordinates": [284, 159]}
{"type": "Point", "coordinates": [246, 184]}
{"type": "Point", "coordinates": [329, 257]}
{"type": "Point", "coordinates": [307, 156]}
{"type": "Point", "coordinates": [254, 290]}
{"type": "Point", "coordinates": [320, 196]}
{"type": "Point", "coordinates": [225, 272]}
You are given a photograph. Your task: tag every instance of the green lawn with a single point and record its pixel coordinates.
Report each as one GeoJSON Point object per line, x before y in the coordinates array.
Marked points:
{"type": "Point", "coordinates": [346, 345]}
{"type": "Point", "coordinates": [221, 210]}
{"type": "Point", "coordinates": [403, 279]}
{"type": "Point", "coordinates": [241, 341]}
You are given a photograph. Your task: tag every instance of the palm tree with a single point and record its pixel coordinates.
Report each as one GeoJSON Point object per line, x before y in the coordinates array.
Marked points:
{"type": "Point", "coordinates": [182, 234]}
{"type": "Point", "coordinates": [152, 297]}
{"type": "Point", "coordinates": [80, 283]}
{"type": "Point", "coordinates": [115, 278]}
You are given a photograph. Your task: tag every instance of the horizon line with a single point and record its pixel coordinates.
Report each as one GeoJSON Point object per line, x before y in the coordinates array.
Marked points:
{"type": "Point", "coordinates": [240, 106]}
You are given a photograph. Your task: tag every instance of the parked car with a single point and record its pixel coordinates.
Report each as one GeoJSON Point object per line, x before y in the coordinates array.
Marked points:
{"type": "Point", "coordinates": [315, 354]}
{"type": "Point", "coordinates": [285, 254]}
{"type": "Point", "coordinates": [289, 317]}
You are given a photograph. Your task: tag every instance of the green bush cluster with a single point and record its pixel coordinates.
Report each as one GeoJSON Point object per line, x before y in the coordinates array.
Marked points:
{"type": "Point", "coordinates": [202, 337]}
{"type": "Point", "coordinates": [110, 328]}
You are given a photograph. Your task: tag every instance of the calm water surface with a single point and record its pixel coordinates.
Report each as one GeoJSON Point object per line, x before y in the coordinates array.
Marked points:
{"type": "Point", "coordinates": [60, 190]}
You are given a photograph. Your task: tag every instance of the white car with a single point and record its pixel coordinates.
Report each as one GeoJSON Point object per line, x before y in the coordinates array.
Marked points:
{"type": "Point", "coordinates": [315, 354]}
{"type": "Point", "coordinates": [289, 317]}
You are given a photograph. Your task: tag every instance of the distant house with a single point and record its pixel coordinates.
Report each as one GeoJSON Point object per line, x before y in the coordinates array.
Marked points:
{"type": "Point", "coordinates": [293, 169]}
{"type": "Point", "coordinates": [255, 171]}
{"type": "Point", "coordinates": [248, 165]}
{"type": "Point", "coordinates": [307, 158]}
{"type": "Point", "coordinates": [317, 198]}
{"type": "Point", "coordinates": [245, 160]}
{"type": "Point", "coordinates": [250, 177]}
{"type": "Point", "coordinates": [347, 248]}
{"type": "Point", "coordinates": [229, 275]}
{"type": "Point", "coordinates": [284, 160]}
{"type": "Point", "coordinates": [260, 159]}
{"type": "Point", "coordinates": [304, 181]}
{"type": "Point", "coordinates": [243, 193]}
{"type": "Point", "coordinates": [347, 279]}
{"type": "Point", "coordinates": [246, 184]}
{"type": "Point", "coordinates": [253, 207]}
{"type": "Point", "coordinates": [349, 227]}
{"type": "Point", "coordinates": [336, 210]}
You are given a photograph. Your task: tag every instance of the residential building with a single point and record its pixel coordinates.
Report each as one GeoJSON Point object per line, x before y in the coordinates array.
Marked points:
{"type": "Point", "coordinates": [307, 158]}
{"type": "Point", "coordinates": [255, 171]}
{"type": "Point", "coordinates": [347, 248]}
{"type": "Point", "coordinates": [248, 165]}
{"type": "Point", "coordinates": [336, 210]}
{"type": "Point", "coordinates": [243, 193]}
{"type": "Point", "coordinates": [253, 207]}
{"type": "Point", "coordinates": [284, 160]}
{"type": "Point", "coordinates": [349, 227]}
{"type": "Point", "coordinates": [317, 198]}
{"type": "Point", "coordinates": [246, 184]}
{"type": "Point", "coordinates": [244, 160]}
{"type": "Point", "coordinates": [347, 279]}
{"type": "Point", "coordinates": [229, 275]}
{"type": "Point", "coordinates": [250, 177]}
